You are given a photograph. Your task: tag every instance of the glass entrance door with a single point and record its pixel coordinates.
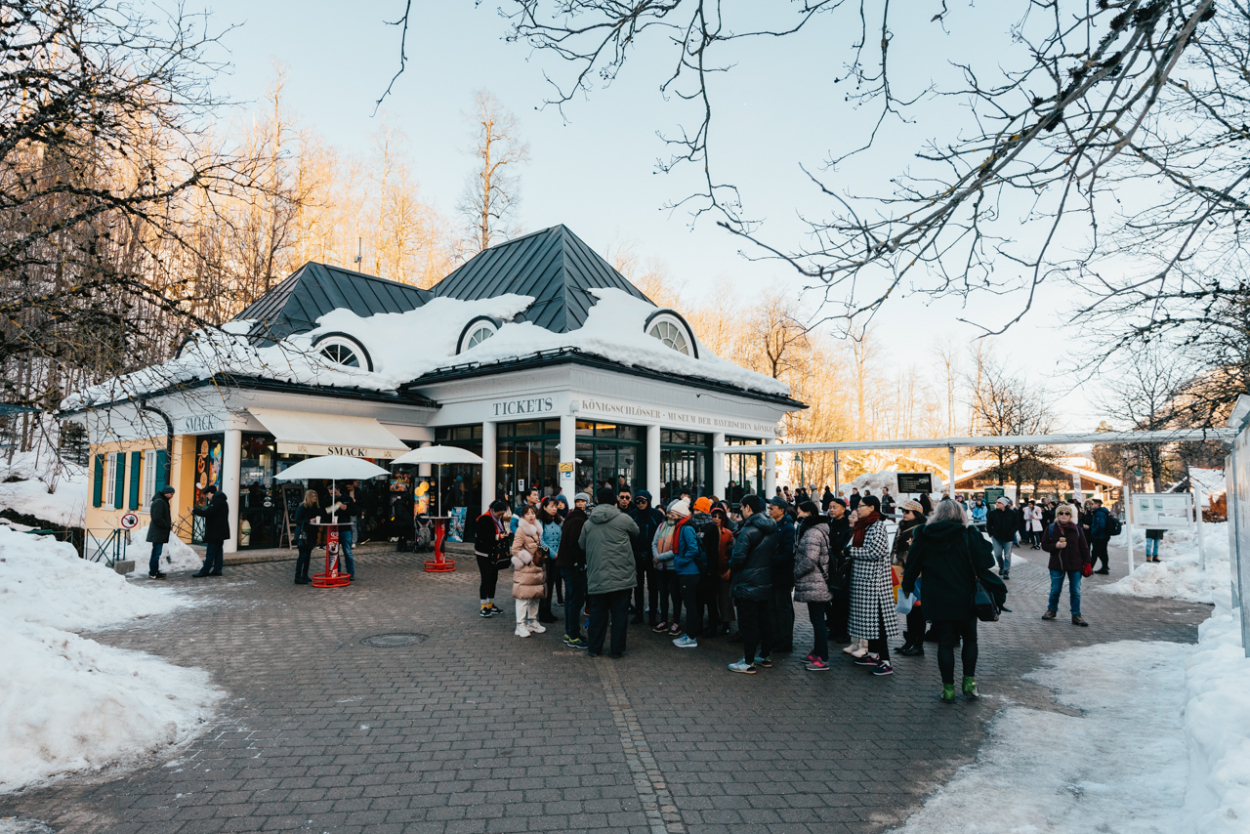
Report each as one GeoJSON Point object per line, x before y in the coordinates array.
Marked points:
{"type": "Point", "coordinates": [685, 465]}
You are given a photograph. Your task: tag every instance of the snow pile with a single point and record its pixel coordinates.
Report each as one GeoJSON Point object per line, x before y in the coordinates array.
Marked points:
{"type": "Point", "coordinates": [406, 346]}
{"type": "Point", "coordinates": [176, 555]}
{"type": "Point", "coordinates": [1206, 483]}
{"type": "Point", "coordinates": [25, 483]}
{"type": "Point", "coordinates": [68, 703]}
{"type": "Point", "coordinates": [1178, 575]}
{"type": "Point", "coordinates": [1120, 766]}
{"type": "Point", "coordinates": [1217, 727]}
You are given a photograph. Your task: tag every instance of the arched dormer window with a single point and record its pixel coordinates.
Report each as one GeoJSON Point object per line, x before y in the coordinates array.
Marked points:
{"type": "Point", "coordinates": [342, 349]}
{"type": "Point", "coordinates": [670, 328]}
{"type": "Point", "coordinates": [475, 332]}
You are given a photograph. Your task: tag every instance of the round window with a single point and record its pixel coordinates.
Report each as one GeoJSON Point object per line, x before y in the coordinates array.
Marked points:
{"type": "Point", "coordinates": [342, 349]}
{"type": "Point", "coordinates": [672, 332]}
{"type": "Point", "coordinates": [479, 335]}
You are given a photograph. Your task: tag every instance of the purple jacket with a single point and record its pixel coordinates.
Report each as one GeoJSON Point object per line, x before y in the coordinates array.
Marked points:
{"type": "Point", "coordinates": [1074, 556]}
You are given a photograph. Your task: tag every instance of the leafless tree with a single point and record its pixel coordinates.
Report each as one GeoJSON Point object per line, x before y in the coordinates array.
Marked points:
{"type": "Point", "coordinates": [1146, 397]}
{"type": "Point", "coordinates": [492, 192]}
{"type": "Point", "coordinates": [1086, 110]}
{"type": "Point", "coordinates": [1007, 406]}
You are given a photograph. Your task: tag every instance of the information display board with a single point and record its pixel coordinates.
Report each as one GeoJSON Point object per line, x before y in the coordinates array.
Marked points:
{"type": "Point", "coordinates": [992, 494]}
{"type": "Point", "coordinates": [1163, 510]}
{"type": "Point", "coordinates": [914, 482]}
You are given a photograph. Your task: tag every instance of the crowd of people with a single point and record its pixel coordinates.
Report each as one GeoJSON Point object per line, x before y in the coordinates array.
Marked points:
{"type": "Point", "coordinates": [696, 570]}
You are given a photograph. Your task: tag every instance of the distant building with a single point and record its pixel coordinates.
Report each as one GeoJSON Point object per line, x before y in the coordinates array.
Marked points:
{"type": "Point", "coordinates": [1060, 478]}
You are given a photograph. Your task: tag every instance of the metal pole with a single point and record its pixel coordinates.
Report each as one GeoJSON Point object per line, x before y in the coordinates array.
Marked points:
{"type": "Point", "coordinates": [950, 487]}
{"type": "Point", "coordinates": [837, 474]}
{"type": "Point", "coordinates": [1128, 528]}
{"type": "Point", "coordinates": [1230, 487]}
{"type": "Point", "coordinates": [1202, 541]}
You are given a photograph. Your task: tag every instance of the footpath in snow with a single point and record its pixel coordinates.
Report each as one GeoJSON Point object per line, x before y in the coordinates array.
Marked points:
{"type": "Point", "coordinates": [67, 703]}
{"type": "Point", "coordinates": [1162, 741]}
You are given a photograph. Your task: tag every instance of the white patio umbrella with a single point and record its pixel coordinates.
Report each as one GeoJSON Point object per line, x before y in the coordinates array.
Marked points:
{"type": "Point", "coordinates": [334, 467]}
{"type": "Point", "coordinates": [438, 455]}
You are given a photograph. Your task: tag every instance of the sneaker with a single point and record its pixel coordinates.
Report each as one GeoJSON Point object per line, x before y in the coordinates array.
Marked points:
{"type": "Point", "coordinates": [1078, 620]}
{"type": "Point", "coordinates": [1050, 615]}
{"type": "Point", "coordinates": [157, 575]}
{"type": "Point", "coordinates": [810, 658]}
{"type": "Point", "coordinates": [764, 662]}
{"type": "Point", "coordinates": [533, 626]}
{"type": "Point", "coordinates": [867, 659]}
{"type": "Point", "coordinates": [521, 630]}
{"type": "Point", "coordinates": [574, 642]}
{"type": "Point", "coordinates": [912, 651]}
{"type": "Point", "coordinates": [948, 693]}
{"type": "Point", "coordinates": [485, 612]}
{"type": "Point", "coordinates": [970, 688]}
{"type": "Point", "coordinates": [743, 667]}
{"type": "Point", "coordinates": [674, 630]}
{"type": "Point", "coordinates": [660, 628]}
{"type": "Point", "coordinates": [883, 668]}
{"type": "Point", "coordinates": [817, 665]}
{"type": "Point", "coordinates": [685, 642]}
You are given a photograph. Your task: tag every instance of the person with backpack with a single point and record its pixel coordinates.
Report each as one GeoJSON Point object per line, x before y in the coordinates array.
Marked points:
{"type": "Point", "coordinates": [752, 568]}
{"type": "Point", "coordinates": [687, 566]}
{"type": "Point", "coordinates": [1069, 557]}
{"type": "Point", "coordinates": [950, 556]}
{"type": "Point", "coordinates": [1100, 531]}
{"type": "Point", "coordinates": [811, 581]}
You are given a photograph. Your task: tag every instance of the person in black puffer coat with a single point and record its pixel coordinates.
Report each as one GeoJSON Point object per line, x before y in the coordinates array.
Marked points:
{"type": "Point", "coordinates": [752, 577]}
{"type": "Point", "coordinates": [648, 519]}
{"type": "Point", "coordinates": [948, 555]}
{"type": "Point", "coordinates": [839, 573]}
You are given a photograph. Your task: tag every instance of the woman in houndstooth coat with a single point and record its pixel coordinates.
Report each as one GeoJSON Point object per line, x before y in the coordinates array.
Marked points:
{"type": "Point", "coordinates": [872, 592]}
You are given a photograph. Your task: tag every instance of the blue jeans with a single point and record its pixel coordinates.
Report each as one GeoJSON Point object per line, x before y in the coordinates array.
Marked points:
{"type": "Point", "coordinates": [1002, 555]}
{"type": "Point", "coordinates": [574, 600]}
{"type": "Point", "coordinates": [345, 547]}
{"type": "Point", "coordinates": [1074, 589]}
{"type": "Point", "coordinates": [1152, 547]}
{"type": "Point", "coordinates": [154, 564]}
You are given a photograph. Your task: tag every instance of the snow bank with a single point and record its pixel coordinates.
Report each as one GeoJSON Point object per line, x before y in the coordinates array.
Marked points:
{"type": "Point", "coordinates": [406, 346]}
{"type": "Point", "coordinates": [1120, 766]}
{"type": "Point", "coordinates": [43, 581]}
{"type": "Point", "coordinates": [68, 703]}
{"type": "Point", "coordinates": [1217, 728]}
{"type": "Point", "coordinates": [176, 555]}
{"type": "Point", "coordinates": [1178, 575]}
{"type": "Point", "coordinates": [25, 486]}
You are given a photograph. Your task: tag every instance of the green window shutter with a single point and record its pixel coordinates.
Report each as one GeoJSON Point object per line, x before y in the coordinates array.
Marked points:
{"type": "Point", "coordinates": [136, 470]}
{"type": "Point", "coordinates": [162, 460]}
{"type": "Point", "coordinates": [120, 481]}
{"type": "Point", "coordinates": [98, 494]}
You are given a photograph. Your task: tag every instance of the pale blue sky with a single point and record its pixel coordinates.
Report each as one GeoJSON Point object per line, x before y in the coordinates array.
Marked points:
{"type": "Point", "coordinates": [596, 171]}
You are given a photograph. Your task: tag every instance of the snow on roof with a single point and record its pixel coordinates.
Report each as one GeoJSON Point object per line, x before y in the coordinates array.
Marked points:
{"type": "Point", "coordinates": [406, 346]}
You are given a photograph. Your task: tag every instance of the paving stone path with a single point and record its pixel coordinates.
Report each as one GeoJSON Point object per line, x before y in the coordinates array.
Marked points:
{"type": "Point", "coordinates": [471, 729]}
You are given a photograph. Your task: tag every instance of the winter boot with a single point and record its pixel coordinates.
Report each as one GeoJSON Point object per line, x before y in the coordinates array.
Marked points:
{"type": "Point", "coordinates": [948, 693]}
{"type": "Point", "coordinates": [970, 688]}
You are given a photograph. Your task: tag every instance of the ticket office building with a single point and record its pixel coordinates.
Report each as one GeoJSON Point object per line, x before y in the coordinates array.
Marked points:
{"type": "Point", "coordinates": [561, 417]}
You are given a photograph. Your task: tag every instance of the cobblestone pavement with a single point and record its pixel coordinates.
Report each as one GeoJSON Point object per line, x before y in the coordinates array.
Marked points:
{"type": "Point", "coordinates": [475, 730]}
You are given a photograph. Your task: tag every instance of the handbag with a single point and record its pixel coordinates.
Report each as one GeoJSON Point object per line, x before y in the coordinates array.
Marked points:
{"type": "Point", "coordinates": [983, 604]}
{"type": "Point", "coordinates": [502, 552]}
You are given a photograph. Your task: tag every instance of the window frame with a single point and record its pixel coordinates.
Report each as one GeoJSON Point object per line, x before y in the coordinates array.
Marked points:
{"type": "Point", "coordinates": [675, 320]}
{"type": "Point", "coordinates": [474, 325]}
{"type": "Point", "coordinates": [339, 339]}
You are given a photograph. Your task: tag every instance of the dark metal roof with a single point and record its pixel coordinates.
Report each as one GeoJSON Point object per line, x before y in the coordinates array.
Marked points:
{"type": "Point", "coordinates": [315, 289]}
{"type": "Point", "coordinates": [554, 266]}
{"type": "Point", "coordinates": [569, 355]}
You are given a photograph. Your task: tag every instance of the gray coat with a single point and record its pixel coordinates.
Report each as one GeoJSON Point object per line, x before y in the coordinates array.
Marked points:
{"type": "Point", "coordinates": [811, 564]}
{"type": "Point", "coordinates": [607, 539]}
{"type": "Point", "coordinates": [160, 522]}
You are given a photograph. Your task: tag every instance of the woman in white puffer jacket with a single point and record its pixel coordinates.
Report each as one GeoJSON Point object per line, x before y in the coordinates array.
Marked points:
{"type": "Point", "coordinates": [529, 583]}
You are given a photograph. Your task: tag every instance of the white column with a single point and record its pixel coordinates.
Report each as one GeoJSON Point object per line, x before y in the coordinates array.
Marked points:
{"type": "Point", "coordinates": [488, 465]}
{"type": "Point", "coordinates": [653, 464]}
{"type": "Point", "coordinates": [232, 461]}
{"type": "Point", "coordinates": [568, 457]}
{"type": "Point", "coordinates": [770, 474]}
{"type": "Point", "coordinates": [423, 469]}
{"type": "Point", "coordinates": [719, 476]}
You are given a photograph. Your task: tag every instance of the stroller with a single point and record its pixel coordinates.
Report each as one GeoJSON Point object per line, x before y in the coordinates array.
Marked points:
{"type": "Point", "coordinates": [422, 533]}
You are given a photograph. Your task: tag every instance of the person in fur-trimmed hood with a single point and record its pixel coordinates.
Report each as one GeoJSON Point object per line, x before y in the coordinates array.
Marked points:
{"type": "Point", "coordinates": [529, 583]}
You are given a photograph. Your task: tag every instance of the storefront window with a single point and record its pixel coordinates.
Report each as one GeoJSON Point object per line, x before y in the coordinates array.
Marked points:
{"type": "Point", "coordinates": [746, 472]}
{"type": "Point", "coordinates": [208, 471]}
{"type": "Point", "coordinates": [462, 482]}
{"type": "Point", "coordinates": [685, 464]}
{"type": "Point", "coordinates": [614, 458]}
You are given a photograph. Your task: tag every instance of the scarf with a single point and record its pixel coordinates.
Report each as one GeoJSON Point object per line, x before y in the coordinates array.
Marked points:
{"type": "Point", "coordinates": [861, 527]}
{"type": "Point", "coordinates": [498, 522]}
{"type": "Point", "coordinates": [665, 536]}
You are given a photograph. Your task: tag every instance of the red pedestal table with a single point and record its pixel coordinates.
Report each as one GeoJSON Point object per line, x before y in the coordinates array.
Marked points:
{"type": "Point", "coordinates": [440, 563]}
{"type": "Point", "coordinates": [332, 578]}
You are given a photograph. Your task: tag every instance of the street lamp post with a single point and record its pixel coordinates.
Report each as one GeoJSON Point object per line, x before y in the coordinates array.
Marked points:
{"type": "Point", "coordinates": [798, 458]}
